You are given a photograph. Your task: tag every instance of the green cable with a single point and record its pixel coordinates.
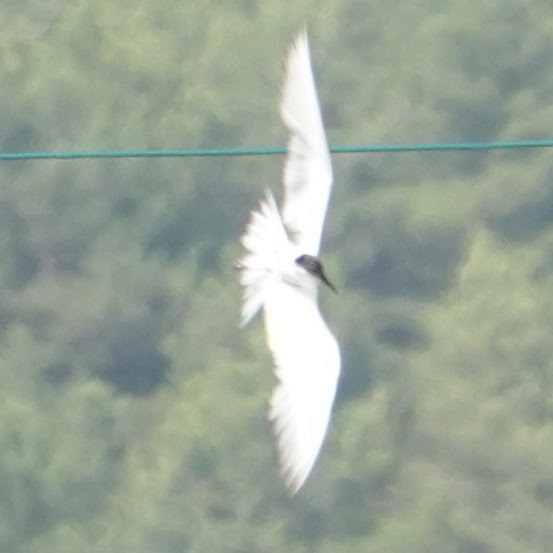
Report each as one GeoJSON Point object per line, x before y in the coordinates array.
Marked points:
{"type": "Point", "coordinates": [231, 152]}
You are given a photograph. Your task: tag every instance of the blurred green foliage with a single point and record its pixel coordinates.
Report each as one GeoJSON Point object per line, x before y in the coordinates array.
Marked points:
{"type": "Point", "coordinates": [131, 404]}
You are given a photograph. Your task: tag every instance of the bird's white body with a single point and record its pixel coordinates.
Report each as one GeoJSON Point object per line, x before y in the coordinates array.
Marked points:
{"type": "Point", "coordinates": [305, 353]}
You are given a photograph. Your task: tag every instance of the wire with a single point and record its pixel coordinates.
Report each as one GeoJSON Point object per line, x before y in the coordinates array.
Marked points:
{"type": "Point", "coordinates": [232, 152]}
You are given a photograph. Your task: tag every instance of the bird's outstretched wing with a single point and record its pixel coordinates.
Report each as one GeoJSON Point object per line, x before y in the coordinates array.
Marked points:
{"type": "Point", "coordinates": [307, 363]}
{"type": "Point", "coordinates": [307, 169]}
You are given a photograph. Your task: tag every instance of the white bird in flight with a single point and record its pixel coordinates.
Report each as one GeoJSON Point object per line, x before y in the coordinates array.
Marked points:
{"type": "Point", "coordinates": [280, 272]}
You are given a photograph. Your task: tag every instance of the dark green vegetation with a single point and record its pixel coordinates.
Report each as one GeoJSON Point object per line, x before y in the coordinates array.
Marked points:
{"type": "Point", "coordinates": [131, 405]}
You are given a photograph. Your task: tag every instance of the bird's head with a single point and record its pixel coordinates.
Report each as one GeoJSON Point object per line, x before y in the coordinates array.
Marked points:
{"type": "Point", "coordinates": [314, 267]}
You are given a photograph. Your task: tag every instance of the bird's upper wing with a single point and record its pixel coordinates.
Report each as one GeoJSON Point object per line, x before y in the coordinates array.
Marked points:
{"type": "Point", "coordinates": [307, 169]}
{"type": "Point", "coordinates": [307, 364]}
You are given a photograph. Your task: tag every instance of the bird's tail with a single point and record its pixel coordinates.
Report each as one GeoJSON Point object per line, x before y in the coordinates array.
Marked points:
{"type": "Point", "coordinates": [265, 241]}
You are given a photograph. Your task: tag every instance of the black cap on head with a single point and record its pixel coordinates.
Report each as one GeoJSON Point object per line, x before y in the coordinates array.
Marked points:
{"type": "Point", "coordinates": [314, 267]}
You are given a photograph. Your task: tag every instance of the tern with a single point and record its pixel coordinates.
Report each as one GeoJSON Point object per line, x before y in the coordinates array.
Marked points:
{"type": "Point", "coordinates": [280, 272]}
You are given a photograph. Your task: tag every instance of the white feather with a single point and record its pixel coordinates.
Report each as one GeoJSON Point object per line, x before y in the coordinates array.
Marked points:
{"type": "Point", "coordinates": [267, 246]}
{"type": "Point", "coordinates": [307, 169]}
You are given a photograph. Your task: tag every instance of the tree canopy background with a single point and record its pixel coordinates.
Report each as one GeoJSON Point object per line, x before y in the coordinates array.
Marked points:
{"type": "Point", "coordinates": [132, 407]}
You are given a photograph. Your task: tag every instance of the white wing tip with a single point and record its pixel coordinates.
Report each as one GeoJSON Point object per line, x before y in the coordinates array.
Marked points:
{"type": "Point", "coordinates": [298, 47]}
{"type": "Point", "coordinates": [292, 469]}
{"type": "Point", "coordinates": [296, 452]}
{"type": "Point", "coordinates": [302, 36]}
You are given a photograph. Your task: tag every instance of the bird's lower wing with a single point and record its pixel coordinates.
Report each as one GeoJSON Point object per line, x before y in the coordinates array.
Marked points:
{"type": "Point", "coordinates": [307, 365]}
